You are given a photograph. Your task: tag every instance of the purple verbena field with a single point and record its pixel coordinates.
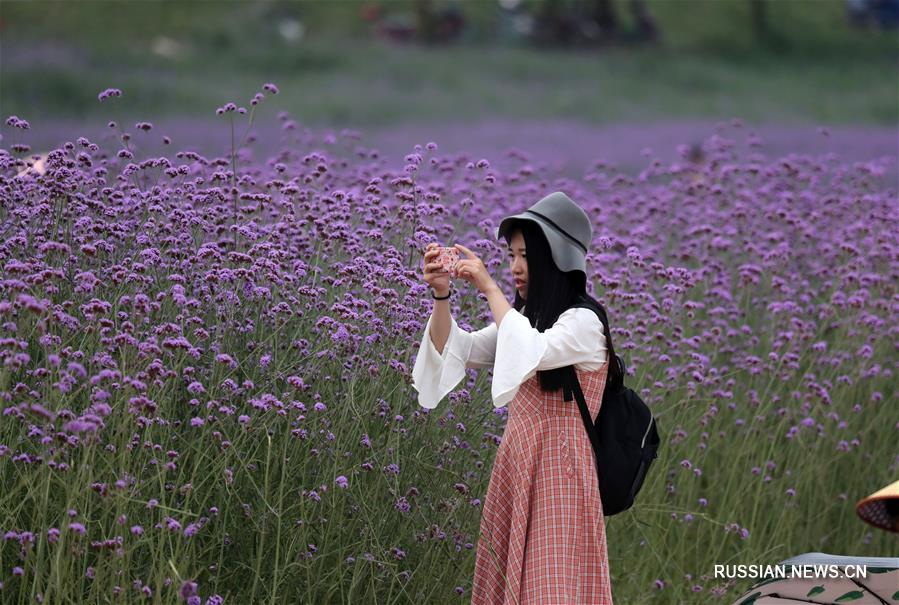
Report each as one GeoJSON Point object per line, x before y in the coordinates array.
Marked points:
{"type": "Point", "coordinates": [206, 363]}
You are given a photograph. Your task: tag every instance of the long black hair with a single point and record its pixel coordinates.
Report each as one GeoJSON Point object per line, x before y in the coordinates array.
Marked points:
{"type": "Point", "coordinates": [550, 293]}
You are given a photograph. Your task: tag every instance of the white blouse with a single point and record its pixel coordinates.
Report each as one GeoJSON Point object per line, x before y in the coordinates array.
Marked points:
{"type": "Point", "coordinates": [515, 350]}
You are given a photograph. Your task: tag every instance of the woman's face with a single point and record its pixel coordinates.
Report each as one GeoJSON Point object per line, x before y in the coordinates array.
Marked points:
{"type": "Point", "coordinates": [518, 262]}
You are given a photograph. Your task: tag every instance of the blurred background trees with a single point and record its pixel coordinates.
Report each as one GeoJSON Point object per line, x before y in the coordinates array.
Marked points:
{"type": "Point", "coordinates": [585, 22]}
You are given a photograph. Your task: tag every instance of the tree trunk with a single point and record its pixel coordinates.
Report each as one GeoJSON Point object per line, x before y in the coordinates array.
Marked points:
{"type": "Point", "coordinates": [646, 27]}
{"type": "Point", "coordinates": [424, 14]}
{"type": "Point", "coordinates": [759, 15]}
{"type": "Point", "coordinates": [603, 13]}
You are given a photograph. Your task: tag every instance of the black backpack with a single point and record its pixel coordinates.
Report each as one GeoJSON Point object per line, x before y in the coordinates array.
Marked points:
{"type": "Point", "coordinates": [624, 436]}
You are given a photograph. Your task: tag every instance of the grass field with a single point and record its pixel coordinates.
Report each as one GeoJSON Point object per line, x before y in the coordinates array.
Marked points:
{"type": "Point", "coordinates": [57, 55]}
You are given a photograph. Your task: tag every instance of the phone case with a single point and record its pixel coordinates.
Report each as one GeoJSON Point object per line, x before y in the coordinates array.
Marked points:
{"type": "Point", "coordinates": [447, 258]}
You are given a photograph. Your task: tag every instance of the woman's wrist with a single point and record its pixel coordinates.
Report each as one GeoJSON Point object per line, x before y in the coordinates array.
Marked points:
{"type": "Point", "coordinates": [491, 287]}
{"type": "Point", "coordinates": [435, 293]}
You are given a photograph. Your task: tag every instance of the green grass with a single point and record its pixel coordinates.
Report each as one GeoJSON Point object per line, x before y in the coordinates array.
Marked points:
{"type": "Point", "coordinates": [813, 69]}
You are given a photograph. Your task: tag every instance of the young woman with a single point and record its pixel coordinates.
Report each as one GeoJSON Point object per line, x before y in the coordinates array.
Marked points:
{"type": "Point", "coordinates": [542, 535]}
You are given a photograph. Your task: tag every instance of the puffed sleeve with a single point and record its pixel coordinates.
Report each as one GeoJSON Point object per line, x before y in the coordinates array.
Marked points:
{"type": "Point", "coordinates": [521, 350]}
{"type": "Point", "coordinates": [434, 374]}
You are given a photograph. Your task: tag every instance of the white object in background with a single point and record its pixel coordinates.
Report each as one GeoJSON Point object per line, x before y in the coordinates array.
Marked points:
{"type": "Point", "coordinates": [39, 166]}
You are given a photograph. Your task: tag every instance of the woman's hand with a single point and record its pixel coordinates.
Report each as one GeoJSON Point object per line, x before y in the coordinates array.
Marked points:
{"type": "Point", "coordinates": [433, 274]}
{"type": "Point", "coordinates": [472, 269]}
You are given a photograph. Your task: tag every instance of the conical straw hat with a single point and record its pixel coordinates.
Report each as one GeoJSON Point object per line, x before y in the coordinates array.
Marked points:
{"type": "Point", "coordinates": [881, 509]}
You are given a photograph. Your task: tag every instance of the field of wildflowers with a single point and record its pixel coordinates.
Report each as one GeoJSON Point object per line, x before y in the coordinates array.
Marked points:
{"type": "Point", "coordinates": [206, 363]}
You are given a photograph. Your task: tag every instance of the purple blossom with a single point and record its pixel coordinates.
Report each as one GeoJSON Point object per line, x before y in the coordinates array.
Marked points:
{"type": "Point", "coordinates": [109, 92]}
{"type": "Point", "coordinates": [398, 553]}
{"type": "Point", "coordinates": [188, 589]}
{"type": "Point", "coordinates": [17, 122]}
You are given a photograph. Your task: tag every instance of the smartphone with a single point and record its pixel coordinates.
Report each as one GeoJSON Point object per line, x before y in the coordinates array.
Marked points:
{"type": "Point", "coordinates": [448, 257]}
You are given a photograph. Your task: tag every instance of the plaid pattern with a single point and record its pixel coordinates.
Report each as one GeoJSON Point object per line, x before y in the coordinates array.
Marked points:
{"type": "Point", "coordinates": [543, 537]}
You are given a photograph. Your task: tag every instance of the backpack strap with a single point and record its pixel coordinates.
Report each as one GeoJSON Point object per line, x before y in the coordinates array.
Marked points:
{"type": "Point", "coordinates": [575, 387]}
{"type": "Point", "coordinates": [570, 383]}
{"type": "Point", "coordinates": [588, 303]}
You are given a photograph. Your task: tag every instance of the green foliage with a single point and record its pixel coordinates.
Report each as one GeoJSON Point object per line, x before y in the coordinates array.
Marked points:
{"type": "Point", "coordinates": [708, 64]}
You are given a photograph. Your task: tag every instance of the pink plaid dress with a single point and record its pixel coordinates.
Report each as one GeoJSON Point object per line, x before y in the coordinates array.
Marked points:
{"type": "Point", "coordinates": [543, 537]}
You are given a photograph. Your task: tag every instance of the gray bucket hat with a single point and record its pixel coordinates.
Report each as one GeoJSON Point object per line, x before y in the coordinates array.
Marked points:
{"type": "Point", "coordinates": [566, 226]}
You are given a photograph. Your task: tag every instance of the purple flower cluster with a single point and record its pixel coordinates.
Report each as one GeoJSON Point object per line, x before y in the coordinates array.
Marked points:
{"type": "Point", "coordinates": [109, 92]}
{"type": "Point", "coordinates": [17, 122]}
